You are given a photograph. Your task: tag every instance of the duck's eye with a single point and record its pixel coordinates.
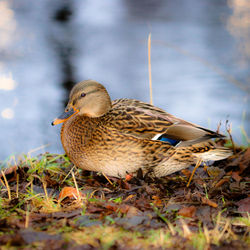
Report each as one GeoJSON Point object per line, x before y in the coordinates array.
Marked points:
{"type": "Point", "coordinates": [83, 94]}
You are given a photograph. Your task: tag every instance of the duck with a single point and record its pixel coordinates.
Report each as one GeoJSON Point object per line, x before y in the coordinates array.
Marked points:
{"type": "Point", "coordinates": [120, 137]}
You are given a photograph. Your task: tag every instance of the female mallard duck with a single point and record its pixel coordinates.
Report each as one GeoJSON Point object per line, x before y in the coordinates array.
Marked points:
{"type": "Point", "coordinates": [120, 137]}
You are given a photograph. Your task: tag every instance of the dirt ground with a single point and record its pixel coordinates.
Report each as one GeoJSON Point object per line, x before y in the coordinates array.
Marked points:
{"type": "Point", "coordinates": [46, 203]}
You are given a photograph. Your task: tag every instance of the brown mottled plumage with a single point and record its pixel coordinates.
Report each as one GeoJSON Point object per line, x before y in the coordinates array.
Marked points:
{"type": "Point", "coordinates": [119, 137]}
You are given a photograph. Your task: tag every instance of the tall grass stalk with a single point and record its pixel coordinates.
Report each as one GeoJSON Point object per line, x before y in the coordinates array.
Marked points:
{"type": "Point", "coordinates": [149, 69]}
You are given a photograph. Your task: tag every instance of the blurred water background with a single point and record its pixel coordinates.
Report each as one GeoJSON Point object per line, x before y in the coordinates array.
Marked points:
{"type": "Point", "coordinates": [200, 61]}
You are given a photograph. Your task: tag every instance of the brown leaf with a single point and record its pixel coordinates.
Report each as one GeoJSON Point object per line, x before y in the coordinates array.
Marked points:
{"type": "Point", "coordinates": [157, 201]}
{"type": "Point", "coordinates": [186, 172]}
{"type": "Point", "coordinates": [122, 208]}
{"type": "Point", "coordinates": [209, 202]}
{"type": "Point", "coordinates": [112, 207]}
{"type": "Point", "coordinates": [235, 175]}
{"type": "Point", "coordinates": [187, 211]}
{"type": "Point", "coordinates": [242, 159]}
{"type": "Point", "coordinates": [128, 177]}
{"type": "Point", "coordinates": [215, 171]}
{"type": "Point", "coordinates": [221, 182]}
{"type": "Point", "coordinates": [133, 211]}
{"type": "Point", "coordinates": [129, 197]}
{"type": "Point", "coordinates": [244, 206]}
{"type": "Point", "coordinates": [69, 192]}
{"type": "Point", "coordinates": [246, 157]}
{"type": "Point", "coordinates": [93, 208]}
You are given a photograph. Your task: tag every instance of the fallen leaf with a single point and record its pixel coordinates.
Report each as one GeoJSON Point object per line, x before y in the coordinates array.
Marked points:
{"type": "Point", "coordinates": [235, 176]}
{"type": "Point", "coordinates": [244, 206]}
{"type": "Point", "coordinates": [69, 192]}
{"type": "Point", "coordinates": [122, 208]}
{"type": "Point", "coordinates": [186, 172]}
{"type": "Point", "coordinates": [129, 197]}
{"type": "Point", "coordinates": [209, 202]}
{"type": "Point", "coordinates": [215, 171]}
{"type": "Point", "coordinates": [222, 181]}
{"type": "Point", "coordinates": [133, 211]}
{"type": "Point", "coordinates": [187, 211]}
{"type": "Point", "coordinates": [245, 159]}
{"type": "Point", "coordinates": [157, 201]}
{"type": "Point", "coordinates": [128, 177]}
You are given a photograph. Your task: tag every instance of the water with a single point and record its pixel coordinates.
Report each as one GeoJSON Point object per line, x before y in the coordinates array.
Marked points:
{"type": "Point", "coordinates": [200, 61]}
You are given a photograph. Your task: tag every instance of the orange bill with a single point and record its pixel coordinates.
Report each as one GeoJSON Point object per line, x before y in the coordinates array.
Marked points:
{"type": "Point", "coordinates": [64, 116]}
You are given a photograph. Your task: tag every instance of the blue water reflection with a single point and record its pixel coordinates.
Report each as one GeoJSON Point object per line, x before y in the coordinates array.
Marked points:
{"type": "Point", "coordinates": [200, 61]}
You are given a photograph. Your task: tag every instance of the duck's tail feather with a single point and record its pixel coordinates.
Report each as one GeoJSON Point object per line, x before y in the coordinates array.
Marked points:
{"type": "Point", "coordinates": [214, 153]}
{"type": "Point", "coordinates": [180, 135]}
{"type": "Point", "coordinates": [196, 141]}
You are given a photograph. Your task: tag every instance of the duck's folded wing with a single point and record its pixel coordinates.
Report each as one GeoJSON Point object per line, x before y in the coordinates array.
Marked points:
{"type": "Point", "coordinates": [146, 121]}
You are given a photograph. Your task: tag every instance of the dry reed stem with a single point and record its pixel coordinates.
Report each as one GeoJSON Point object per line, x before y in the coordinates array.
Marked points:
{"type": "Point", "coordinates": [45, 190]}
{"type": "Point", "coordinates": [17, 184]}
{"type": "Point", "coordinates": [171, 228]}
{"type": "Point", "coordinates": [218, 127]}
{"type": "Point", "coordinates": [149, 69]}
{"type": "Point", "coordinates": [102, 194]}
{"type": "Point", "coordinates": [77, 190]}
{"type": "Point", "coordinates": [107, 179]}
{"type": "Point", "coordinates": [224, 230]}
{"type": "Point", "coordinates": [36, 149]}
{"type": "Point", "coordinates": [229, 131]}
{"type": "Point", "coordinates": [196, 166]}
{"type": "Point", "coordinates": [6, 184]}
{"type": "Point", "coordinates": [186, 231]}
{"type": "Point", "coordinates": [27, 217]}
{"type": "Point", "coordinates": [68, 174]}
{"type": "Point", "coordinates": [2, 182]}
{"type": "Point", "coordinates": [206, 233]}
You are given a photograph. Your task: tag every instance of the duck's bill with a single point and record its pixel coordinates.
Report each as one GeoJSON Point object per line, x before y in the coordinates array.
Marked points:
{"type": "Point", "coordinates": [64, 116]}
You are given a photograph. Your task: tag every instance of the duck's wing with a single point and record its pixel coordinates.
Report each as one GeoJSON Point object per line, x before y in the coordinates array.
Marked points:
{"type": "Point", "coordinates": [147, 121]}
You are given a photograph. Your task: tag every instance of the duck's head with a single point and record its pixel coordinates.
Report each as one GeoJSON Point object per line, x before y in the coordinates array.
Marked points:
{"type": "Point", "coordinates": [88, 98]}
